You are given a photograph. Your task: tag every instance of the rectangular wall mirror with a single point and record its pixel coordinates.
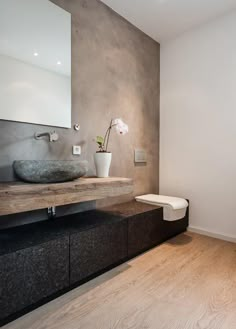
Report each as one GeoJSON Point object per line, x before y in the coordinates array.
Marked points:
{"type": "Point", "coordinates": [35, 62]}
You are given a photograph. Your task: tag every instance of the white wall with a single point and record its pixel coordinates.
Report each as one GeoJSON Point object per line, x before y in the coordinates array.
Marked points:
{"type": "Point", "coordinates": [198, 124]}
{"type": "Point", "coordinates": [32, 94]}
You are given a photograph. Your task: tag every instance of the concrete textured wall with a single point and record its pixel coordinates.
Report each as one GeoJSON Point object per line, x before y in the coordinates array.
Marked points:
{"type": "Point", "coordinates": [115, 73]}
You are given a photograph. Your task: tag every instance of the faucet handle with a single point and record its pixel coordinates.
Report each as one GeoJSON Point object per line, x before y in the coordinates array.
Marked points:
{"type": "Point", "coordinates": [54, 136]}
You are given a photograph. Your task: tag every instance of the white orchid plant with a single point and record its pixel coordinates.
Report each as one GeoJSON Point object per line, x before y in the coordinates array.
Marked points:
{"type": "Point", "coordinates": [121, 129]}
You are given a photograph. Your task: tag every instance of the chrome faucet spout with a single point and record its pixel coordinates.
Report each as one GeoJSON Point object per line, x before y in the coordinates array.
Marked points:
{"type": "Point", "coordinates": [53, 136]}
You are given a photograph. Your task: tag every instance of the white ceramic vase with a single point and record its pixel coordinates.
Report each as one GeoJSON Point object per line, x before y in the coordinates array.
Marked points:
{"type": "Point", "coordinates": [102, 163]}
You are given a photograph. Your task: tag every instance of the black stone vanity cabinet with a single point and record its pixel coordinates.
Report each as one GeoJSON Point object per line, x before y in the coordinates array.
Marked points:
{"type": "Point", "coordinates": [28, 275]}
{"type": "Point", "coordinates": [41, 261]}
{"type": "Point", "coordinates": [146, 227]}
{"type": "Point", "coordinates": [96, 249]}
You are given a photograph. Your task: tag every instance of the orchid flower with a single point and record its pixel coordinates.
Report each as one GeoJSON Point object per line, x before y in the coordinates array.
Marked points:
{"type": "Point", "coordinates": [121, 129]}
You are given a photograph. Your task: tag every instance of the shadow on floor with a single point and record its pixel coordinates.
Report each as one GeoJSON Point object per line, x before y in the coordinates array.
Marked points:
{"type": "Point", "coordinates": [182, 239]}
{"type": "Point", "coordinates": [97, 281]}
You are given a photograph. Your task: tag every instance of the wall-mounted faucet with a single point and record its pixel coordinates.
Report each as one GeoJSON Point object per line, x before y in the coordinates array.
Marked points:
{"type": "Point", "coordinates": [53, 136]}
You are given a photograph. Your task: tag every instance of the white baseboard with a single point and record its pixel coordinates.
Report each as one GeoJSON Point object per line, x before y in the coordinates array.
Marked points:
{"type": "Point", "coordinates": [226, 237]}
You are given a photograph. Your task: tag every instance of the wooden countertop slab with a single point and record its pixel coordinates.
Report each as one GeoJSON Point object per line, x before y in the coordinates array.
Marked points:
{"type": "Point", "coordinates": [16, 197]}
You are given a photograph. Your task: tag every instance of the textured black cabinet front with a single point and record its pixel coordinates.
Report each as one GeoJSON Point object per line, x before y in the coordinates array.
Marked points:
{"type": "Point", "coordinates": [148, 229]}
{"type": "Point", "coordinates": [144, 231]}
{"type": "Point", "coordinates": [31, 274]}
{"type": "Point", "coordinates": [94, 250]}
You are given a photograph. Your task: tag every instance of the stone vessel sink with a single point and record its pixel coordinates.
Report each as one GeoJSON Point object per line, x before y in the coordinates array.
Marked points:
{"type": "Point", "coordinates": [49, 171]}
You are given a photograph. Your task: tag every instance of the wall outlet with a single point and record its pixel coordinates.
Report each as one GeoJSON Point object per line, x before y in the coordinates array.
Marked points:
{"type": "Point", "coordinates": [140, 156]}
{"type": "Point", "coordinates": [76, 150]}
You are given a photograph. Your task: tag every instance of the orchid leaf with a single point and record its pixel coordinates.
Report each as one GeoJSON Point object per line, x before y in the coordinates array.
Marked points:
{"type": "Point", "coordinates": [99, 140]}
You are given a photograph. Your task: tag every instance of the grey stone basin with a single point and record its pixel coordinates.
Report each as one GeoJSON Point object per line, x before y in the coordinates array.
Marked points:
{"type": "Point", "coordinates": [49, 171]}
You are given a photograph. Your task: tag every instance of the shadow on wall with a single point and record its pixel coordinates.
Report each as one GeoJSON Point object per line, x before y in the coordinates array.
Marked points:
{"type": "Point", "coordinates": [41, 214]}
{"type": "Point", "coordinates": [6, 171]}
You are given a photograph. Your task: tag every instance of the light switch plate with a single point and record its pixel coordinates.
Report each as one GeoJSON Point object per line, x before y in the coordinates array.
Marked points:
{"type": "Point", "coordinates": [76, 150]}
{"type": "Point", "coordinates": [140, 155]}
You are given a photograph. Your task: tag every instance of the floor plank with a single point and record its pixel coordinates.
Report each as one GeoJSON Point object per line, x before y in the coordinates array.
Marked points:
{"type": "Point", "coordinates": [188, 282]}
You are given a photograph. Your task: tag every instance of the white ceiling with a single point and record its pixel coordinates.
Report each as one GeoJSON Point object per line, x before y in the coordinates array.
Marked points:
{"type": "Point", "coordinates": [36, 26]}
{"type": "Point", "coordinates": [165, 19]}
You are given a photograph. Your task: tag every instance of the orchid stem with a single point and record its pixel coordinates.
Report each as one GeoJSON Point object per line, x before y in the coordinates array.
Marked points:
{"type": "Point", "coordinates": [107, 136]}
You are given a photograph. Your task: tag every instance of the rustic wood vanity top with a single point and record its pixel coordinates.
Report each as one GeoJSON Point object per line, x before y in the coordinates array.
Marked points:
{"type": "Point", "coordinates": [16, 197]}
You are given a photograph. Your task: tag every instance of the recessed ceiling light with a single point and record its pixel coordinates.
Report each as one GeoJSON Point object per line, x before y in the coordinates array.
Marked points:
{"type": "Point", "coordinates": [58, 63]}
{"type": "Point", "coordinates": [36, 54]}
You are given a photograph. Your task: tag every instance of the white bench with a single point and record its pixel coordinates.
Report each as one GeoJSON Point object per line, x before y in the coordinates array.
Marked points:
{"type": "Point", "coordinates": [174, 208]}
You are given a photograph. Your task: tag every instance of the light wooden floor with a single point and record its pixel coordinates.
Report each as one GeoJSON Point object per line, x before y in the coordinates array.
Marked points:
{"type": "Point", "coordinates": [186, 283]}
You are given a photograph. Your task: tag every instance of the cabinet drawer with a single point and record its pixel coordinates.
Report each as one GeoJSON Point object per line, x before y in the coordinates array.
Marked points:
{"type": "Point", "coordinates": [29, 275]}
{"type": "Point", "coordinates": [94, 250]}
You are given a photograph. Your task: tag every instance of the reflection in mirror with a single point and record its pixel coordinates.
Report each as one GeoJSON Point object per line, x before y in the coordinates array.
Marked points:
{"type": "Point", "coordinates": [35, 62]}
